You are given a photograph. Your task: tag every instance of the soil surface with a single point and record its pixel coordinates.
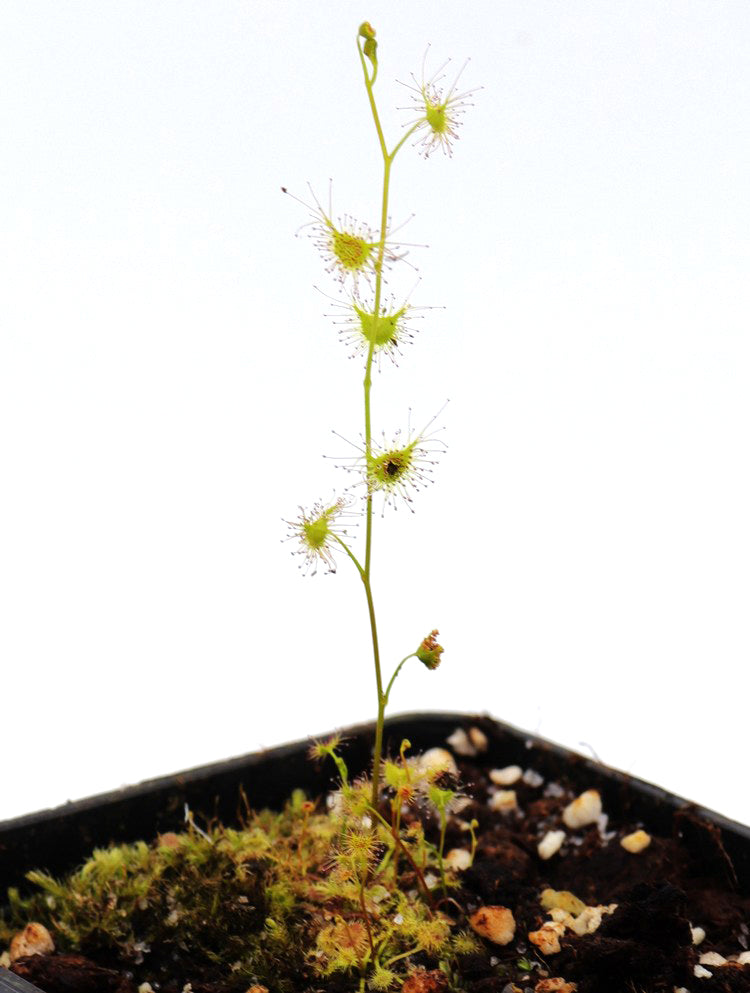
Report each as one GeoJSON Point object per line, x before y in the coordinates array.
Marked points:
{"type": "Point", "coordinates": [683, 880]}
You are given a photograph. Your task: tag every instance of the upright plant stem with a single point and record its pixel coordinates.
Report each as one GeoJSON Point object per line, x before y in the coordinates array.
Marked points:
{"type": "Point", "coordinates": [365, 573]}
{"type": "Point", "coordinates": [378, 752]}
{"type": "Point", "coordinates": [382, 697]}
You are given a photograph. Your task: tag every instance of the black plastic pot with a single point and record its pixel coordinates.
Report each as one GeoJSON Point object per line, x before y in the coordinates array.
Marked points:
{"type": "Point", "coordinates": [57, 840]}
{"type": "Point", "coordinates": [10, 983]}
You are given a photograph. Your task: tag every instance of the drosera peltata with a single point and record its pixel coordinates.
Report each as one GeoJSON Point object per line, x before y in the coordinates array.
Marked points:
{"type": "Point", "coordinates": [363, 888]}
{"type": "Point", "coordinates": [373, 324]}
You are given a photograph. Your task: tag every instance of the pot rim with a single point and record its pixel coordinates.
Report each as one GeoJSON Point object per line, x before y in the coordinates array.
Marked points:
{"type": "Point", "coordinates": [60, 837]}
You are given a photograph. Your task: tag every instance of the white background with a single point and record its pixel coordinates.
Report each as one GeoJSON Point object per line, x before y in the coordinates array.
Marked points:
{"type": "Point", "coordinates": [169, 382]}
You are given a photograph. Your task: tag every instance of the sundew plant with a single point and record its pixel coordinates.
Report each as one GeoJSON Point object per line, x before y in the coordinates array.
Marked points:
{"type": "Point", "coordinates": [377, 325]}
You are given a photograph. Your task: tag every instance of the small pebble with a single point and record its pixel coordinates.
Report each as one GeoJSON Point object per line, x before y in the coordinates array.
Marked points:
{"type": "Point", "coordinates": [555, 985]}
{"type": "Point", "coordinates": [698, 935]}
{"type": "Point", "coordinates": [458, 858]}
{"type": "Point", "coordinates": [168, 840]}
{"type": "Point", "coordinates": [563, 900]}
{"type": "Point", "coordinates": [547, 938]}
{"type": "Point", "coordinates": [461, 743]}
{"type": "Point", "coordinates": [585, 809]}
{"type": "Point", "coordinates": [145, 988]}
{"type": "Point", "coordinates": [504, 801]}
{"type": "Point", "coordinates": [589, 919]}
{"type": "Point", "coordinates": [435, 760]}
{"type": "Point", "coordinates": [35, 939]}
{"type": "Point", "coordinates": [712, 958]}
{"type": "Point", "coordinates": [744, 958]}
{"type": "Point", "coordinates": [507, 776]}
{"type": "Point", "coordinates": [550, 844]}
{"type": "Point", "coordinates": [494, 923]}
{"type": "Point", "coordinates": [636, 842]}
{"type": "Point", "coordinates": [478, 739]}
{"type": "Point", "coordinates": [335, 804]}
{"type": "Point", "coordinates": [567, 911]}
{"type": "Point", "coordinates": [700, 973]}
{"type": "Point", "coordinates": [532, 778]}
{"type": "Point", "coordinates": [424, 981]}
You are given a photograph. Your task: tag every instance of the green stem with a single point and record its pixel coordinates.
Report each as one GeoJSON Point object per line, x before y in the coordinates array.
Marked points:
{"type": "Point", "coordinates": [400, 844]}
{"type": "Point", "coordinates": [367, 385]}
{"type": "Point", "coordinates": [382, 697]}
{"type": "Point", "coordinates": [366, 918]}
{"type": "Point", "coordinates": [378, 750]}
{"type": "Point", "coordinates": [351, 555]}
{"type": "Point", "coordinates": [413, 655]}
{"type": "Point", "coordinates": [404, 139]}
{"type": "Point", "coordinates": [443, 826]}
{"type": "Point", "coordinates": [403, 955]}
{"type": "Point", "coordinates": [369, 83]}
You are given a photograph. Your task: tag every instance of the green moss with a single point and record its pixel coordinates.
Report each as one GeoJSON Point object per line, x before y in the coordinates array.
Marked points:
{"type": "Point", "coordinates": [285, 898]}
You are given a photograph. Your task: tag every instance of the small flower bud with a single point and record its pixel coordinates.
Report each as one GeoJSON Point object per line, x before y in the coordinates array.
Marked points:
{"type": "Point", "coordinates": [429, 651]}
{"type": "Point", "coordinates": [370, 48]}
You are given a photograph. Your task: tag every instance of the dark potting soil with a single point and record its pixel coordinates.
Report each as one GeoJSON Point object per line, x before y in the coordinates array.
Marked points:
{"type": "Point", "coordinates": [684, 879]}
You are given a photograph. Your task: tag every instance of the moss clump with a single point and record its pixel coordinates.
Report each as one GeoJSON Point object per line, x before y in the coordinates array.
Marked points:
{"type": "Point", "coordinates": [203, 902]}
{"type": "Point", "coordinates": [282, 901]}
